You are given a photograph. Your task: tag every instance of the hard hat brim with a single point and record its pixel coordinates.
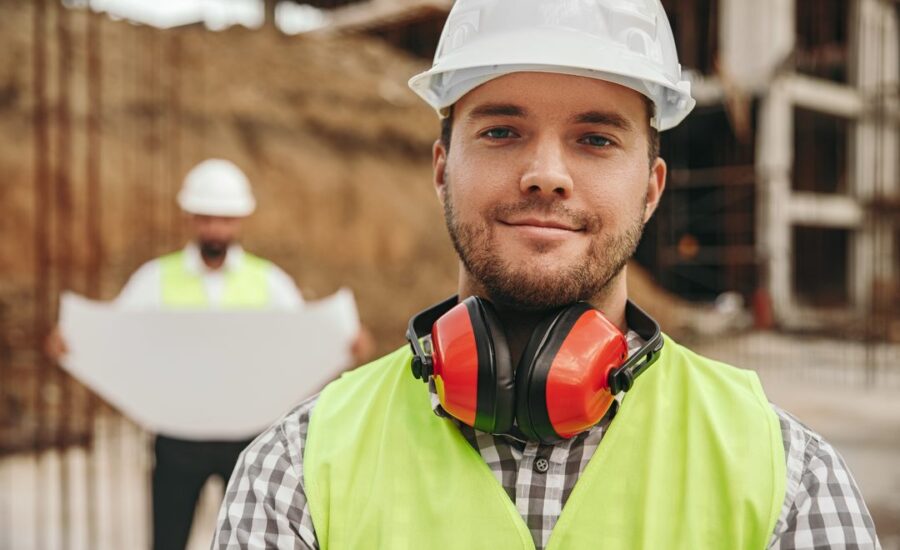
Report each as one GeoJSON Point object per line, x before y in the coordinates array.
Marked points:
{"type": "Point", "coordinates": [486, 58]}
{"type": "Point", "coordinates": [224, 208]}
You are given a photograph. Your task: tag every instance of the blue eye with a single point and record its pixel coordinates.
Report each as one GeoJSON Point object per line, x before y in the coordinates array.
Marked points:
{"type": "Point", "coordinates": [596, 141]}
{"type": "Point", "coordinates": [498, 133]}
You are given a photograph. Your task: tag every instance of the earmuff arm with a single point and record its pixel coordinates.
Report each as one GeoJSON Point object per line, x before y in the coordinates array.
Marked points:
{"type": "Point", "coordinates": [622, 378]}
{"type": "Point", "coordinates": [420, 326]}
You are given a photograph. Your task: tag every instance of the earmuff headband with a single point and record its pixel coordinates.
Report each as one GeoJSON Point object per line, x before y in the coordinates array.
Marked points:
{"type": "Point", "coordinates": [622, 378]}
{"type": "Point", "coordinates": [419, 327]}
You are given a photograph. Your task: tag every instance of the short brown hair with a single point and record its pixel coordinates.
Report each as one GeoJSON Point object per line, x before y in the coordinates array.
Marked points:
{"type": "Point", "coordinates": [652, 133]}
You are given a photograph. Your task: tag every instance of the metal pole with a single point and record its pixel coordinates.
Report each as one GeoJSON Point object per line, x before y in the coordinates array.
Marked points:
{"type": "Point", "coordinates": [95, 241]}
{"type": "Point", "coordinates": [42, 255]}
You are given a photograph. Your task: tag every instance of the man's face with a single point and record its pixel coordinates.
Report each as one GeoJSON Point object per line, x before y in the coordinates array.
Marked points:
{"type": "Point", "coordinates": [546, 187]}
{"type": "Point", "coordinates": [215, 233]}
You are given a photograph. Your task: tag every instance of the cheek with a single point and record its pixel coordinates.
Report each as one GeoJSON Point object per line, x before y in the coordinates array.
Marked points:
{"type": "Point", "coordinates": [472, 188]}
{"type": "Point", "coordinates": [616, 196]}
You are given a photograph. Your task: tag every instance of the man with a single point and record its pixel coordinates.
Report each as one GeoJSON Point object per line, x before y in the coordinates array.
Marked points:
{"type": "Point", "coordinates": [211, 272]}
{"type": "Point", "coordinates": [547, 170]}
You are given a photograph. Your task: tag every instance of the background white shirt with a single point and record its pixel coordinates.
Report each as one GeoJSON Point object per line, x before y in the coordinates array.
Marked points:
{"type": "Point", "coordinates": [144, 289]}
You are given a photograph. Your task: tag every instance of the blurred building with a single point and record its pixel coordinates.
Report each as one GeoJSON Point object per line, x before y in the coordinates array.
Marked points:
{"type": "Point", "coordinates": [783, 178]}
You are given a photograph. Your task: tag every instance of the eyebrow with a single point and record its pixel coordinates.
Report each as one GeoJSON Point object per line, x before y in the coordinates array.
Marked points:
{"type": "Point", "coordinates": [496, 109]}
{"type": "Point", "coordinates": [603, 118]}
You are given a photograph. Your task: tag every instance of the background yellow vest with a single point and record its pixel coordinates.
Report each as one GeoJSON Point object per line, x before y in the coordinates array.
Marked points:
{"type": "Point", "coordinates": [246, 287]}
{"type": "Point", "coordinates": [694, 460]}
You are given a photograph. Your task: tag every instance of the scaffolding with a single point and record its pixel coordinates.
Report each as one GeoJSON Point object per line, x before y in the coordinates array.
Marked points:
{"type": "Point", "coordinates": [785, 179]}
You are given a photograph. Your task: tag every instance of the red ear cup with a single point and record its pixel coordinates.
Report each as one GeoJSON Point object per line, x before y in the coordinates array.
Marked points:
{"type": "Point", "coordinates": [472, 368]}
{"type": "Point", "coordinates": [455, 359]}
{"type": "Point", "coordinates": [562, 386]}
{"type": "Point", "coordinates": [577, 386]}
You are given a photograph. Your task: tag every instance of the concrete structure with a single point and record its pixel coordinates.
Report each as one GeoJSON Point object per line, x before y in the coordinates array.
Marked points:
{"type": "Point", "coordinates": [373, 13]}
{"type": "Point", "coordinates": [756, 42]}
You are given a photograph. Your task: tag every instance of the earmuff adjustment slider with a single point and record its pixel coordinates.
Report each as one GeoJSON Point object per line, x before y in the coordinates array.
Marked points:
{"type": "Point", "coordinates": [421, 369]}
{"type": "Point", "coordinates": [422, 365]}
{"type": "Point", "coordinates": [620, 380]}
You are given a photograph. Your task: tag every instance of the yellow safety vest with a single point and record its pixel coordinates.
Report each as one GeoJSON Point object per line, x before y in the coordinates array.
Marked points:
{"type": "Point", "coordinates": [246, 287]}
{"type": "Point", "coordinates": [694, 460]}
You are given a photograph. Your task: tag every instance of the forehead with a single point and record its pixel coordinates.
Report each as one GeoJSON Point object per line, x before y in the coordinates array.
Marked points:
{"type": "Point", "coordinates": [549, 95]}
{"type": "Point", "coordinates": [204, 218]}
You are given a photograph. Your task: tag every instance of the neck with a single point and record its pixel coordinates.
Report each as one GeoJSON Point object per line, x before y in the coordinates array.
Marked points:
{"type": "Point", "coordinates": [214, 263]}
{"type": "Point", "coordinates": [519, 324]}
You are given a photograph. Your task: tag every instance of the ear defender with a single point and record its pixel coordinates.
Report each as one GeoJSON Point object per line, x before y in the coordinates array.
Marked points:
{"type": "Point", "coordinates": [472, 368]}
{"type": "Point", "coordinates": [562, 378]}
{"type": "Point", "coordinates": [565, 382]}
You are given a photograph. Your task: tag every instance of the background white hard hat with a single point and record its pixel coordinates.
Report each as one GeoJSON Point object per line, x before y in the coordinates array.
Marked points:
{"type": "Point", "coordinates": [628, 42]}
{"type": "Point", "coordinates": [217, 187]}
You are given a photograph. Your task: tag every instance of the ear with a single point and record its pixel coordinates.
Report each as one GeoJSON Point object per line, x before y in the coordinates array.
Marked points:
{"type": "Point", "coordinates": [656, 184]}
{"type": "Point", "coordinates": [439, 165]}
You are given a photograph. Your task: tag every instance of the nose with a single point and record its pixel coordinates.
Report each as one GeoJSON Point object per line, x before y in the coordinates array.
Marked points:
{"type": "Point", "coordinates": [547, 173]}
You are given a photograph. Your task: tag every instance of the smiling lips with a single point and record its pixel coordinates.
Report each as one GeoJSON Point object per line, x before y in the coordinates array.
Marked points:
{"type": "Point", "coordinates": [541, 228]}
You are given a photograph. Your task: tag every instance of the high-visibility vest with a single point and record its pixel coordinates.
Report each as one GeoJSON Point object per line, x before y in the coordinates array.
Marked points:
{"type": "Point", "coordinates": [246, 287]}
{"type": "Point", "coordinates": [693, 460]}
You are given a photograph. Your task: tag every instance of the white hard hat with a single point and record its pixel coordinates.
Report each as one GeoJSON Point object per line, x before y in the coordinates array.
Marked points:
{"type": "Point", "coordinates": [217, 187]}
{"type": "Point", "coordinates": [628, 42]}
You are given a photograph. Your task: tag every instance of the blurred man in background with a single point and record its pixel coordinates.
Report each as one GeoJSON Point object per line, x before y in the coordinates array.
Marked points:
{"type": "Point", "coordinates": [212, 272]}
{"type": "Point", "coordinates": [534, 430]}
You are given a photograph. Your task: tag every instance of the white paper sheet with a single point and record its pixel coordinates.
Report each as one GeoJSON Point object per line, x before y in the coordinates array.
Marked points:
{"type": "Point", "coordinates": [202, 374]}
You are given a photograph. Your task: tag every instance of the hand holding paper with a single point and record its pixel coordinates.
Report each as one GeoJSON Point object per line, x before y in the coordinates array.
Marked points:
{"type": "Point", "coordinates": [207, 374]}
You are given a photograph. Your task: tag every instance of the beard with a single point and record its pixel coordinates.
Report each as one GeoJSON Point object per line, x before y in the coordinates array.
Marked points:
{"type": "Point", "coordinates": [213, 249]}
{"type": "Point", "coordinates": [523, 287]}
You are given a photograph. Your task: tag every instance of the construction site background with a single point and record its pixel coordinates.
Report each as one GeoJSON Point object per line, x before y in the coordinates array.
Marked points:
{"type": "Point", "coordinates": [101, 119]}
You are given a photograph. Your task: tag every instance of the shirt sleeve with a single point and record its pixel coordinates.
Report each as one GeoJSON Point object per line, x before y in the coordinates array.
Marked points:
{"type": "Point", "coordinates": [142, 291]}
{"type": "Point", "coordinates": [265, 505]}
{"type": "Point", "coordinates": [823, 507]}
{"type": "Point", "coordinates": [284, 292]}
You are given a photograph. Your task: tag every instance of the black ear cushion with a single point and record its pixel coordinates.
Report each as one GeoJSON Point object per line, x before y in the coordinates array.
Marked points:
{"type": "Point", "coordinates": [548, 336]}
{"type": "Point", "coordinates": [495, 409]}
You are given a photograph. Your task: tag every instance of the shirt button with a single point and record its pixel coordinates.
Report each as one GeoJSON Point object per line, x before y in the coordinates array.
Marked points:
{"type": "Point", "coordinates": [541, 465]}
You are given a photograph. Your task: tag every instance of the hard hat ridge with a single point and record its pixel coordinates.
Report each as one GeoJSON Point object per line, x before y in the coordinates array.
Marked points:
{"type": "Point", "coordinates": [217, 187]}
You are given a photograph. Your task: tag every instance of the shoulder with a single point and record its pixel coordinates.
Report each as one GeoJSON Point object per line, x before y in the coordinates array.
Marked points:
{"type": "Point", "coordinates": [278, 275]}
{"type": "Point", "coordinates": [714, 382]}
{"type": "Point", "coordinates": [267, 486]}
{"type": "Point", "coordinates": [285, 293]}
{"type": "Point", "coordinates": [808, 453]}
{"type": "Point", "coordinates": [283, 442]}
{"type": "Point", "coordinates": [683, 353]}
{"type": "Point", "coordinates": [253, 259]}
{"type": "Point", "coordinates": [822, 500]}
{"type": "Point", "coordinates": [387, 370]}
{"type": "Point", "coordinates": [151, 270]}
{"type": "Point", "coordinates": [141, 291]}
{"type": "Point", "coordinates": [152, 266]}
{"type": "Point", "coordinates": [801, 444]}
{"type": "Point", "coordinates": [369, 395]}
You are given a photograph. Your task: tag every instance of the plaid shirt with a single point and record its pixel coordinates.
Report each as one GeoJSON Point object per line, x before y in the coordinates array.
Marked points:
{"type": "Point", "coordinates": [265, 504]}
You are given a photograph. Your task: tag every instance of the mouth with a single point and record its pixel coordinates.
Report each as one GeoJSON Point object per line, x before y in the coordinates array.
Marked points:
{"type": "Point", "coordinates": [539, 224]}
{"type": "Point", "coordinates": [541, 231]}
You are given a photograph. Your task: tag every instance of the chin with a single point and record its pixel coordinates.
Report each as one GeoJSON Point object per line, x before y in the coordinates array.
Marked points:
{"type": "Point", "coordinates": [545, 264]}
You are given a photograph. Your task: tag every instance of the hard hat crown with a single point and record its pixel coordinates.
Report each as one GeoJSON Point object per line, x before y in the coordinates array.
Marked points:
{"type": "Point", "coordinates": [628, 42]}
{"type": "Point", "coordinates": [217, 187]}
